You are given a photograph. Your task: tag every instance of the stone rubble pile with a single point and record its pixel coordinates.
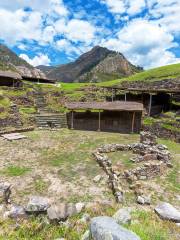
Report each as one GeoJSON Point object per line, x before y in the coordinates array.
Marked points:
{"type": "Point", "coordinates": [156, 158]}
{"type": "Point", "coordinates": [147, 171]}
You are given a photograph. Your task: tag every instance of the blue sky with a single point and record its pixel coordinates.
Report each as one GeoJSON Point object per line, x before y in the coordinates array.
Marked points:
{"type": "Point", "coordinates": [52, 32]}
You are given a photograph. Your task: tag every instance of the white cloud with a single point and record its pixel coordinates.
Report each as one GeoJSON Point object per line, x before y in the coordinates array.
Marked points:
{"type": "Point", "coordinates": [20, 25]}
{"type": "Point", "coordinates": [135, 6]}
{"type": "Point", "coordinates": [41, 59]}
{"type": "Point", "coordinates": [80, 30]}
{"type": "Point", "coordinates": [43, 6]}
{"type": "Point", "coordinates": [131, 7]}
{"type": "Point", "coordinates": [144, 43]}
{"type": "Point", "coordinates": [167, 13]}
{"type": "Point", "coordinates": [115, 6]}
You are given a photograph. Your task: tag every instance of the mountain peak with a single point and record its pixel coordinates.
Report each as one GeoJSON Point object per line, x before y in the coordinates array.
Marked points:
{"type": "Point", "coordinates": [96, 65]}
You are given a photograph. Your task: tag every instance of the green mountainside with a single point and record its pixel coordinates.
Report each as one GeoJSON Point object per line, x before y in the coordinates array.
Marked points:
{"type": "Point", "coordinates": [8, 59]}
{"type": "Point", "coordinates": [155, 74]}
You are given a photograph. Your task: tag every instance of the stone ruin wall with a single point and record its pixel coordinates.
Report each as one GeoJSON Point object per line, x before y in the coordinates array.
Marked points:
{"type": "Point", "coordinates": [155, 157]}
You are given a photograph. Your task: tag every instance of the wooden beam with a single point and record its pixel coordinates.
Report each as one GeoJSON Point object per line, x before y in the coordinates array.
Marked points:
{"type": "Point", "coordinates": [72, 120]}
{"type": "Point", "coordinates": [133, 121]}
{"type": "Point", "coordinates": [150, 104]}
{"type": "Point", "coordinates": [99, 122]}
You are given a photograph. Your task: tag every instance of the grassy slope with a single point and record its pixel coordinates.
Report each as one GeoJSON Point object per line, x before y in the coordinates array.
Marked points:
{"type": "Point", "coordinates": [155, 74]}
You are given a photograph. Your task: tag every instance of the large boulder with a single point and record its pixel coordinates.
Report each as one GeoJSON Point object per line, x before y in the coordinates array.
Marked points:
{"type": "Point", "coordinates": [37, 204]}
{"type": "Point", "coordinates": [106, 228]}
{"type": "Point", "coordinates": [61, 212]}
{"type": "Point", "coordinates": [167, 212]}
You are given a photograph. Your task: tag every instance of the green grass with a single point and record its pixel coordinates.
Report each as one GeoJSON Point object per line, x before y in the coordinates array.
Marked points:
{"type": "Point", "coordinates": [4, 102]}
{"type": "Point", "coordinates": [40, 185]}
{"type": "Point", "coordinates": [155, 74]}
{"type": "Point", "coordinates": [36, 229]}
{"type": "Point", "coordinates": [149, 227]}
{"type": "Point", "coordinates": [149, 121]}
{"type": "Point", "coordinates": [27, 110]}
{"type": "Point", "coordinates": [14, 171]}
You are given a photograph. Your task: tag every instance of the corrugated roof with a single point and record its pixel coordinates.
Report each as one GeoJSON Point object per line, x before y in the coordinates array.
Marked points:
{"type": "Point", "coordinates": [9, 74]}
{"type": "Point", "coordinates": [114, 106]}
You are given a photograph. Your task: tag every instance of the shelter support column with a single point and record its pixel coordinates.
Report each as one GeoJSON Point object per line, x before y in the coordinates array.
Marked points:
{"type": "Point", "coordinates": [72, 120]}
{"type": "Point", "coordinates": [133, 121]}
{"type": "Point", "coordinates": [150, 104]}
{"type": "Point", "coordinates": [125, 97]}
{"type": "Point", "coordinates": [99, 121]}
{"type": "Point", "coordinates": [112, 95]}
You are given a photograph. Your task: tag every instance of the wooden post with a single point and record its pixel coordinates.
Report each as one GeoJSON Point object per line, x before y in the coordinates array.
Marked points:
{"type": "Point", "coordinates": [170, 101]}
{"type": "Point", "coordinates": [125, 97]}
{"type": "Point", "coordinates": [112, 94]}
{"type": "Point", "coordinates": [72, 120]}
{"type": "Point", "coordinates": [133, 121]}
{"type": "Point", "coordinates": [99, 122]}
{"type": "Point", "coordinates": [150, 104]}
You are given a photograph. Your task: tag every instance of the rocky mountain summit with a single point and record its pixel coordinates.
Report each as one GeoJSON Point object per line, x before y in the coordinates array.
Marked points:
{"type": "Point", "coordinates": [10, 61]}
{"type": "Point", "coordinates": [99, 64]}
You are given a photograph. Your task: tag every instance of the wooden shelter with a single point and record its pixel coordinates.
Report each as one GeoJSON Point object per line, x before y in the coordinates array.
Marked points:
{"type": "Point", "coordinates": [39, 80]}
{"type": "Point", "coordinates": [118, 116]}
{"type": "Point", "coordinates": [154, 100]}
{"type": "Point", "coordinates": [10, 79]}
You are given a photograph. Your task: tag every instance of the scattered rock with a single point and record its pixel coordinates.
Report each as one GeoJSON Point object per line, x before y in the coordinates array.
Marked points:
{"type": "Point", "coordinates": [122, 216]}
{"type": "Point", "coordinates": [97, 178]}
{"type": "Point", "coordinates": [140, 200]}
{"type": "Point", "coordinates": [144, 200]}
{"type": "Point", "coordinates": [102, 228]}
{"type": "Point", "coordinates": [37, 204]}
{"type": "Point", "coordinates": [80, 206]}
{"type": "Point", "coordinates": [16, 212]}
{"type": "Point", "coordinates": [5, 192]}
{"type": "Point", "coordinates": [167, 212]}
{"type": "Point", "coordinates": [61, 212]}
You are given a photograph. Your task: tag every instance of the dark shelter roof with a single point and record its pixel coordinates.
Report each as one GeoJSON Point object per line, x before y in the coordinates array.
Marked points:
{"type": "Point", "coordinates": [41, 80]}
{"type": "Point", "coordinates": [113, 106]}
{"type": "Point", "coordinates": [8, 74]}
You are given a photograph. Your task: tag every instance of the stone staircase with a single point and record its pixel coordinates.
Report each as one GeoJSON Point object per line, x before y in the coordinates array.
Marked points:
{"type": "Point", "coordinates": [51, 120]}
{"type": "Point", "coordinates": [46, 118]}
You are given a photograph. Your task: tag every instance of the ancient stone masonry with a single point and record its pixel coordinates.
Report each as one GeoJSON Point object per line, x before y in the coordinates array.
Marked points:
{"type": "Point", "coordinates": [164, 84]}
{"type": "Point", "coordinates": [106, 164]}
{"type": "Point", "coordinates": [154, 159]}
{"type": "Point", "coordinates": [147, 171]}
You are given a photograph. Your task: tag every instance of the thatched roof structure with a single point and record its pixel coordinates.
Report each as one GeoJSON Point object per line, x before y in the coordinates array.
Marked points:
{"type": "Point", "coordinates": [8, 74]}
{"type": "Point", "coordinates": [111, 106]}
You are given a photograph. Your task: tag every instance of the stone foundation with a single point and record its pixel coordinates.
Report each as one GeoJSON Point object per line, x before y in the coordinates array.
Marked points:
{"type": "Point", "coordinates": [155, 158]}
